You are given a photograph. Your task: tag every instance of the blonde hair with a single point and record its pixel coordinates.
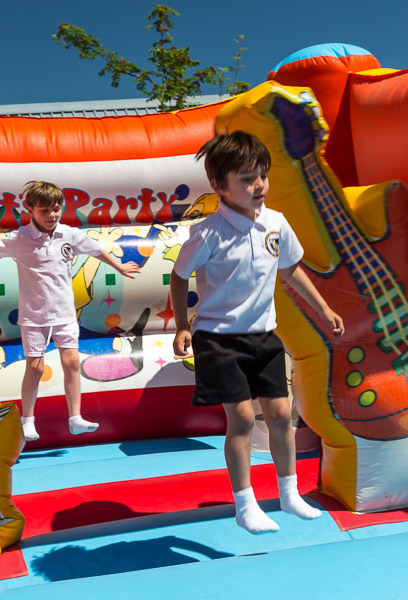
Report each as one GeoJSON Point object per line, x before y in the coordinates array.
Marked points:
{"type": "Point", "coordinates": [42, 193]}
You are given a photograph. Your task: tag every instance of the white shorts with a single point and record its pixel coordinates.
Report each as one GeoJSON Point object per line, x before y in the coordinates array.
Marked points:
{"type": "Point", "coordinates": [36, 339]}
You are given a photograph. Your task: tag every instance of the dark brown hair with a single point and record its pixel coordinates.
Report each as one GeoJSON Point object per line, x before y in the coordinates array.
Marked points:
{"type": "Point", "coordinates": [231, 152]}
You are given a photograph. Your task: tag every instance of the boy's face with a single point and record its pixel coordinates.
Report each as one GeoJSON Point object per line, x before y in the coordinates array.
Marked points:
{"type": "Point", "coordinates": [46, 217]}
{"type": "Point", "coordinates": [244, 191]}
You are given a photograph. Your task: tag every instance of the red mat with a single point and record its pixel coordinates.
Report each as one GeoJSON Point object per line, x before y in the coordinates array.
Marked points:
{"type": "Point", "coordinates": [346, 519]}
{"type": "Point", "coordinates": [102, 503]}
{"type": "Point", "coordinates": [86, 505]}
{"type": "Point", "coordinates": [12, 563]}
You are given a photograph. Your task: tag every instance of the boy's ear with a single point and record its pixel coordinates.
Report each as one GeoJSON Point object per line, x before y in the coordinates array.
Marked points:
{"type": "Point", "coordinates": [217, 187]}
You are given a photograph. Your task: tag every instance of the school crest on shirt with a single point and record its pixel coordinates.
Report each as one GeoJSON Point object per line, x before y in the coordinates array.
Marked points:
{"type": "Point", "coordinates": [272, 243]}
{"type": "Point", "coordinates": [66, 250]}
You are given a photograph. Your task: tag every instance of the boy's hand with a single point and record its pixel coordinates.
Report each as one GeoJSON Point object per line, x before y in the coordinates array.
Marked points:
{"type": "Point", "coordinates": [335, 321]}
{"type": "Point", "coordinates": [182, 342]}
{"type": "Point", "coordinates": [128, 268]}
{"type": "Point", "coordinates": [299, 280]}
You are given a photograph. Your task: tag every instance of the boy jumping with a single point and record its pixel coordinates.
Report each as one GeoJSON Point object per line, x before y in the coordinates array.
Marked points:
{"type": "Point", "coordinates": [236, 253]}
{"type": "Point", "coordinates": [44, 250]}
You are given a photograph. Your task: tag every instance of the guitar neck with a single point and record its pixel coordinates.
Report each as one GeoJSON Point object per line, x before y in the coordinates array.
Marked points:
{"type": "Point", "coordinates": [372, 275]}
{"type": "Point", "coordinates": [370, 272]}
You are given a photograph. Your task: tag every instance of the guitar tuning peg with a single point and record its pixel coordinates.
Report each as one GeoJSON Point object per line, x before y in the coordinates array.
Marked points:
{"type": "Point", "coordinates": [320, 134]}
{"type": "Point", "coordinates": [307, 97]}
{"type": "Point", "coordinates": [316, 111]}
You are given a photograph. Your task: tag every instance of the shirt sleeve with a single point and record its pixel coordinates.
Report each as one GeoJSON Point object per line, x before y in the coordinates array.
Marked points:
{"type": "Point", "coordinates": [291, 250]}
{"type": "Point", "coordinates": [8, 246]}
{"type": "Point", "coordinates": [194, 253]}
{"type": "Point", "coordinates": [83, 244]}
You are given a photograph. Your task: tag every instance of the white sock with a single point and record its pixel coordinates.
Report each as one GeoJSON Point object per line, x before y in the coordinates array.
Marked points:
{"type": "Point", "coordinates": [249, 514]}
{"type": "Point", "coordinates": [78, 425]}
{"type": "Point", "coordinates": [292, 502]}
{"type": "Point", "coordinates": [30, 432]}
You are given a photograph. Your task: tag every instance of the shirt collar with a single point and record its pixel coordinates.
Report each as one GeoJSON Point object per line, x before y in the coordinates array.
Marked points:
{"type": "Point", "coordinates": [241, 222]}
{"type": "Point", "coordinates": [36, 233]}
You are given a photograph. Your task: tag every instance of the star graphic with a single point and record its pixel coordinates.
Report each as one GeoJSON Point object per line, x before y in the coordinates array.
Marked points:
{"type": "Point", "coordinates": [167, 313]}
{"type": "Point", "coordinates": [159, 343]}
{"type": "Point", "coordinates": [109, 300]}
{"type": "Point", "coordinates": [161, 362]}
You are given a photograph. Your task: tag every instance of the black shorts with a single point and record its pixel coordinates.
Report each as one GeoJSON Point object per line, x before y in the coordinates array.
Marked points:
{"type": "Point", "coordinates": [232, 367]}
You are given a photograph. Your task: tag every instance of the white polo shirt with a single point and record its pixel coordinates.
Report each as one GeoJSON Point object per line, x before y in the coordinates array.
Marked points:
{"type": "Point", "coordinates": [236, 262]}
{"type": "Point", "coordinates": [44, 266]}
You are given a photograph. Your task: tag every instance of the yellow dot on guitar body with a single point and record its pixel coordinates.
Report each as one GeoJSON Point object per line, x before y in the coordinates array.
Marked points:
{"type": "Point", "coordinates": [356, 355]}
{"type": "Point", "coordinates": [367, 398]}
{"type": "Point", "coordinates": [354, 378]}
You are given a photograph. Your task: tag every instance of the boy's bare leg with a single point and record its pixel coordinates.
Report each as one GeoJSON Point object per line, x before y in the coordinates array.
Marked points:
{"type": "Point", "coordinates": [31, 380]}
{"type": "Point", "coordinates": [278, 418]}
{"type": "Point", "coordinates": [72, 386]}
{"type": "Point", "coordinates": [277, 415]}
{"type": "Point", "coordinates": [29, 391]}
{"type": "Point", "coordinates": [72, 379]}
{"type": "Point", "coordinates": [240, 422]}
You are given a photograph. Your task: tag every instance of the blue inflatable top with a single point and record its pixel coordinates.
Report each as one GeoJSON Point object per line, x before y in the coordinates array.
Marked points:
{"type": "Point", "coordinates": [333, 49]}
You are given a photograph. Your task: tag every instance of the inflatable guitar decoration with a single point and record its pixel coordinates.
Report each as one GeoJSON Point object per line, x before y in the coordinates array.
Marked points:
{"type": "Point", "coordinates": [368, 386]}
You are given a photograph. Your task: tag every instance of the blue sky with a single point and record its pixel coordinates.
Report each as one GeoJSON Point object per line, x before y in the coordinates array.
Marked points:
{"type": "Point", "coordinates": [35, 69]}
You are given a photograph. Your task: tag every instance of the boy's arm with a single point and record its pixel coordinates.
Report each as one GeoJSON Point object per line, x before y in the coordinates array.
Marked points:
{"type": "Point", "coordinates": [7, 245]}
{"type": "Point", "coordinates": [125, 269]}
{"type": "Point", "coordinates": [298, 279]}
{"type": "Point", "coordinates": [179, 293]}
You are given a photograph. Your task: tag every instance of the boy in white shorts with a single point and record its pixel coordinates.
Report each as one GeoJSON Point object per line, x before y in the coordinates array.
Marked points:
{"type": "Point", "coordinates": [44, 250]}
{"type": "Point", "coordinates": [236, 254]}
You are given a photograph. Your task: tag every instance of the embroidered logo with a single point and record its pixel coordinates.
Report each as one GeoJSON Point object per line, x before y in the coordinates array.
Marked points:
{"type": "Point", "coordinates": [272, 243]}
{"type": "Point", "coordinates": [66, 251]}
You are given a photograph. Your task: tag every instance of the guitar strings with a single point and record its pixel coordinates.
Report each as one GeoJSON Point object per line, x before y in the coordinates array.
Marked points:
{"type": "Point", "coordinates": [330, 205]}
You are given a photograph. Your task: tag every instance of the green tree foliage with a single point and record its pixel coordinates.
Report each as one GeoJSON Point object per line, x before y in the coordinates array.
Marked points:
{"type": "Point", "coordinates": [236, 86]}
{"type": "Point", "coordinates": [175, 76]}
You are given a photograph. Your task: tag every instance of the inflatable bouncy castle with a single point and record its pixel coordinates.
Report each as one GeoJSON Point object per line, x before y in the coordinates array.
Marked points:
{"type": "Point", "coordinates": [360, 214]}
{"type": "Point", "coordinates": [333, 122]}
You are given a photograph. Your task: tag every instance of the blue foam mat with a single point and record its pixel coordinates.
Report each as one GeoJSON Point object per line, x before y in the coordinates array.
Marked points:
{"type": "Point", "coordinates": [190, 554]}
{"type": "Point", "coordinates": [70, 467]}
{"type": "Point", "coordinates": [374, 568]}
